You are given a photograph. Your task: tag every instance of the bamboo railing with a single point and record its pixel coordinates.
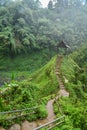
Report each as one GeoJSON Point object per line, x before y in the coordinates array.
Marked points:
{"type": "Point", "coordinates": [53, 123]}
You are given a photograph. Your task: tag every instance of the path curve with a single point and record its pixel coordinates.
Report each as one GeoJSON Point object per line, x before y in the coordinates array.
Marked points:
{"type": "Point", "coordinates": [62, 92]}
{"type": "Point", "coordinates": [51, 116]}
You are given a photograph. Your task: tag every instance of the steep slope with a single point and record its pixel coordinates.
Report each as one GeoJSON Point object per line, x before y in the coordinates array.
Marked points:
{"type": "Point", "coordinates": [46, 79]}
{"type": "Point", "coordinates": [34, 91]}
{"type": "Point", "coordinates": [20, 67]}
{"type": "Point", "coordinates": [74, 76]}
{"type": "Point", "coordinates": [39, 85]}
{"type": "Point", "coordinates": [51, 116]}
{"type": "Point", "coordinates": [61, 92]}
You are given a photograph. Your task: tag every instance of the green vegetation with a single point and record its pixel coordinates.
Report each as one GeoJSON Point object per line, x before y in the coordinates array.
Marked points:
{"type": "Point", "coordinates": [33, 92]}
{"type": "Point", "coordinates": [29, 37]}
{"type": "Point", "coordinates": [46, 79]}
{"type": "Point", "coordinates": [22, 66]}
{"type": "Point", "coordinates": [26, 27]}
{"type": "Point", "coordinates": [41, 85]}
{"type": "Point", "coordinates": [74, 107]}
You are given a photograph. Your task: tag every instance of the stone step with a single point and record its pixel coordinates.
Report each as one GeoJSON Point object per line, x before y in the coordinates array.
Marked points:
{"type": "Point", "coordinates": [15, 127]}
{"type": "Point", "coordinates": [1, 128]}
{"type": "Point", "coordinates": [28, 125]}
{"type": "Point", "coordinates": [57, 73]}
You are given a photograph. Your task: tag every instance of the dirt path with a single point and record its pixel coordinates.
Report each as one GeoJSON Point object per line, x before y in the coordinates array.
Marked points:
{"type": "Point", "coordinates": [62, 91]}
{"type": "Point", "coordinates": [51, 116]}
{"type": "Point", "coordinates": [50, 111]}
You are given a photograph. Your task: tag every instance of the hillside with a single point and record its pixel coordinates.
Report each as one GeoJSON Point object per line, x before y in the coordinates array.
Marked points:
{"type": "Point", "coordinates": [22, 66]}
{"type": "Point", "coordinates": [34, 91]}
{"type": "Point", "coordinates": [43, 85]}
{"type": "Point", "coordinates": [43, 63]}
{"type": "Point", "coordinates": [26, 27]}
{"type": "Point", "coordinates": [74, 74]}
{"type": "Point", "coordinates": [30, 33]}
{"type": "Point", "coordinates": [82, 54]}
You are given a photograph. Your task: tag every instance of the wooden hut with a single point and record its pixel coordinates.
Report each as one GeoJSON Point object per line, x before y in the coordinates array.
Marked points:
{"type": "Point", "coordinates": [63, 46]}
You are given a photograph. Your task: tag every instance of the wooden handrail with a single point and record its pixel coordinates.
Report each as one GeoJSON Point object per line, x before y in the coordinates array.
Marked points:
{"type": "Point", "coordinates": [62, 117]}
{"type": "Point", "coordinates": [55, 125]}
{"type": "Point", "coordinates": [15, 117]}
{"type": "Point", "coordinates": [15, 111]}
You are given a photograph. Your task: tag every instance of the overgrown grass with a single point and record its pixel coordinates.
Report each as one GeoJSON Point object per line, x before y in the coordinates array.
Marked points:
{"type": "Point", "coordinates": [73, 107]}
{"type": "Point", "coordinates": [69, 69]}
{"type": "Point", "coordinates": [22, 66]}
{"type": "Point", "coordinates": [46, 79]}
{"type": "Point", "coordinates": [36, 90]}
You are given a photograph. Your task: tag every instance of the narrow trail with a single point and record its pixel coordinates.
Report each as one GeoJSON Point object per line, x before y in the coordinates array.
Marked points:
{"type": "Point", "coordinates": [62, 91]}
{"type": "Point", "coordinates": [51, 116]}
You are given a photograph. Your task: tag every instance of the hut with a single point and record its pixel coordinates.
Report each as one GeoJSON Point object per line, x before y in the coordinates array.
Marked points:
{"type": "Point", "coordinates": [62, 47]}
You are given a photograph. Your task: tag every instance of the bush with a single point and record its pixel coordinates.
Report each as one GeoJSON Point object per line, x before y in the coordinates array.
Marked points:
{"type": "Point", "coordinates": [42, 112]}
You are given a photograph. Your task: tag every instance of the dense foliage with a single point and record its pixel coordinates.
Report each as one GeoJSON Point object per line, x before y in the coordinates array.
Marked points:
{"type": "Point", "coordinates": [74, 107]}
{"type": "Point", "coordinates": [25, 26]}
{"type": "Point", "coordinates": [33, 92]}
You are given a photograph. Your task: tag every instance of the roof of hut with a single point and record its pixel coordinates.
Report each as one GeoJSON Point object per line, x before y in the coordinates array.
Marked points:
{"type": "Point", "coordinates": [63, 45]}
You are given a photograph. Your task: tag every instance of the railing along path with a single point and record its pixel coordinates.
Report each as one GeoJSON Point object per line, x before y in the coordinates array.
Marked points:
{"type": "Point", "coordinates": [17, 113]}
{"type": "Point", "coordinates": [52, 124]}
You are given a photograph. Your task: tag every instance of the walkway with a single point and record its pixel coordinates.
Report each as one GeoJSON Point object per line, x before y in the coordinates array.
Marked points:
{"type": "Point", "coordinates": [62, 91]}
{"type": "Point", "coordinates": [51, 116]}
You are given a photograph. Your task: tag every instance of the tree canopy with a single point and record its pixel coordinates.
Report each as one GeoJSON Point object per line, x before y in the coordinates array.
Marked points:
{"type": "Point", "coordinates": [25, 26]}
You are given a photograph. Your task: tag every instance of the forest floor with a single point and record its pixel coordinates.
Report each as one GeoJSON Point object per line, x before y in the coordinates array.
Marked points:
{"type": "Point", "coordinates": [51, 116]}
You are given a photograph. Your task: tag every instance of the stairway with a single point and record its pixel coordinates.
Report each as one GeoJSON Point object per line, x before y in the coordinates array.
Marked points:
{"type": "Point", "coordinates": [51, 116]}
{"type": "Point", "coordinates": [62, 91]}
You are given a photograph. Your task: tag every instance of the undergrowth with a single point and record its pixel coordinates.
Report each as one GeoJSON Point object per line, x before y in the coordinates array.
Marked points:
{"type": "Point", "coordinates": [22, 66]}
{"type": "Point", "coordinates": [35, 91]}
{"type": "Point", "coordinates": [74, 107]}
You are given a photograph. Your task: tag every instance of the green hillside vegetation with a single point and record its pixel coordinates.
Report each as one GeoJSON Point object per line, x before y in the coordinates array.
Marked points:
{"type": "Point", "coordinates": [22, 66]}
{"type": "Point", "coordinates": [42, 85]}
{"type": "Point", "coordinates": [25, 26]}
{"type": "Point", "coordinates": [29, 37]}
{"type": "Point", "coordinates": [81, 53]}
{"type": "Point", "coordinates": [46, 79]}
{"type": "Point", "coordinates": [74, 107]}
{"type": "Point", "coordinates": [35, 91]}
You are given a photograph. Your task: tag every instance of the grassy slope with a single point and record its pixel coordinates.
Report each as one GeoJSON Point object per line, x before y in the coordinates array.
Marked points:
{"type": "Point", "coordinates": [46, 79]}
{"type": "Point", "coordinates": [33, 91]}
{"type": "Point", "coordinates": [73, 107]}
{"type": "Point", "coordinates": [68, 71]}
{"type": "Point", "coordinates": [21, 66]}
{"type": "Point", "coordinates": [80, 56]}
{"type": "Point", "coordinates": [45, 83]}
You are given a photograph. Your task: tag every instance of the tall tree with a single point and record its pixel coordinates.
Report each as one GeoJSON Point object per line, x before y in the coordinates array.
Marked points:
{"type": "Point", "coordinates": [50, 5]}
{"type": "Point", "coordinates": [37, 4]}
{"type": "Point", "coordinates": [5, 2]}
{"type": "Point", "coordinates": [29, 3]}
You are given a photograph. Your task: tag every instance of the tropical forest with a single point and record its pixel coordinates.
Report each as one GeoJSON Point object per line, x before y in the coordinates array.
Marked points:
{"type": "Point", "coordinates": [43, 65]}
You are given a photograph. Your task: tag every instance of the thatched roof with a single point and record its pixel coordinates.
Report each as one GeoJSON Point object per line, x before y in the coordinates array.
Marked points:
{"type": "Point", "coordinates": [63, 45]}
